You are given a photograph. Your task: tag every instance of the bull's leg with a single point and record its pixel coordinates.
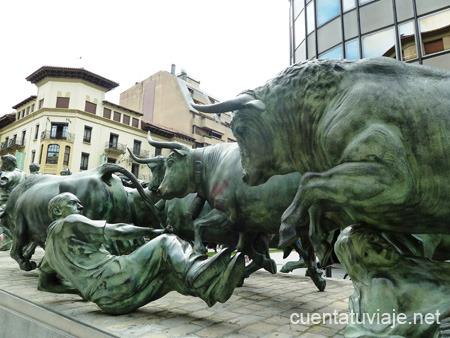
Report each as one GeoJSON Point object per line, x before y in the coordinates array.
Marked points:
{"type": "Point", "coordinates": [214, 219]}
{"type": "Point", "coordinates": [374, 174]}
{"type": "Point", "coordinates": [307, 252]}
{"type": "Point", "coordinates": [256, 246]}
{"type": "Point", "coordinates": [20, 240]}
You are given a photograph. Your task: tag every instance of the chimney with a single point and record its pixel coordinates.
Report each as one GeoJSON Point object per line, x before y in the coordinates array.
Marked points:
{"type": "Point", "coordinates": [172, 70]}
{"type": "Point", "coordinates": [183, 75]}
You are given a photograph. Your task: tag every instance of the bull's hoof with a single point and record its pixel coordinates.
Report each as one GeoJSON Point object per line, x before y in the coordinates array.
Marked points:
{"type": "Point", "coordinates": [288, 236]}
{"type": "Point", "coordinates": [316, 277]}
{"type": "Point", "coordinates": [290, 266]}
{"type": "Point", "coordinates": [28, 265]}
{"type": "Point", "coordinates": [270, 265]}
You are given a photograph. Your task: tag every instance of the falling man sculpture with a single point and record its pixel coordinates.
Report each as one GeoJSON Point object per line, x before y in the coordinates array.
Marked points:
{"type": "Point", "coordinates": [121, 284]}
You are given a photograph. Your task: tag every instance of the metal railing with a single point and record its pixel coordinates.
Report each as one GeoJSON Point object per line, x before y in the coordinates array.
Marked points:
{"type": "Point", "coordinates": [141, 152]}
{"type": "Point", "coordinates": [12, 143]}
{"type": "Point", "coordinates": [117, 147]}
{"type": "Point", "coordinates": [58, 136]}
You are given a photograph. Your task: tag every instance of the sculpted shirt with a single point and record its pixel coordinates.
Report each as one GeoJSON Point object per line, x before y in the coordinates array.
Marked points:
{"type": "Point", "coordinates": [74, 250]}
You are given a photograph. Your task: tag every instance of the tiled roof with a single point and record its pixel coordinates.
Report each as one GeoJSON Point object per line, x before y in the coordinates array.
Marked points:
{"type": "Point", "coordinates": [71, 73]}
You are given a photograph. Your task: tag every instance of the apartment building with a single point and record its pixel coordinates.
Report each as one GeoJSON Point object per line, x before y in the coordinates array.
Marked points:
{"type": "Point", "coordinates": [69, 124]}
{"type": "Point", "coordinates": [165, 99]}
{"type": "Point", "coordinates": [415, 31]}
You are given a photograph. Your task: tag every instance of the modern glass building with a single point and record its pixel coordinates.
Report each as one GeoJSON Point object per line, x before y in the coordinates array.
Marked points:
{"type": "Point", "coordinates": [416, 31]}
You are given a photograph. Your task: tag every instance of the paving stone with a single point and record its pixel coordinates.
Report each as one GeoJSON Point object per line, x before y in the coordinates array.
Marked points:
{"type": "Point", "coordinates": [261, 308]}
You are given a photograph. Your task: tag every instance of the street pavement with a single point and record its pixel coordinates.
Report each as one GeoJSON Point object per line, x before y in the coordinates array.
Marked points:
{"type": "Point", "coordinates": [262, 307]}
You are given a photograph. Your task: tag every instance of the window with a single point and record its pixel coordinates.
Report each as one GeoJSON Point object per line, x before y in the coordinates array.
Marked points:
{"type": "Point", "coordinates": [299, 27]}
{"type": "Point", "coordinates": [84, 161]}
{"type": "Point", "coordinates": [18, 115]}
{"type": "Point", "coordinates": [52, 154]}
{"type": "Point", "coordinates": [90, 107]}
{"type": "Point", "coordinates": [107, 113]}
{"type": "Point", "coordinates": [40, 156]}
{"type": "Point", "coordinates": [111, 160]}
{"type": "Point", "coordinates": [335, 53]}
{"type": "Point", "coordinates": [310, 18]}
{"type": "Point", "coordinates": [113, 140]}
{"type": "Point", "coordinates": [36, 135]}
{"type": "Point", "coordinates": [59, 131]}
{"type": "Point", "coordinates": [14, 140]}
{"type": "Point", "coordinates": [33, 155]}
{"type": "Point", "coordinates": [24, 133]}
{"type": "Point", "coordinates": [32, 107]}
{"type": "Point", "coordinates": [379, 44]}
{"type": "Point", "coordinates": [116, 116]}
{"type": "Point", "coordinates": [126, 120]}
{"type": "Point", "coordinates": [157, 151]}
{"type": "Point", "coordinates": [66, 155]}
{"type": "Point", "coordinates": [23, 113]}
{"type": "Point", "coordinates": [348, 5]}
{"type": "Point", "coordinates": [435, 32]}
{"type": "Point", "coordinates": [41, 103]}
{"type": "Point", "coordinates": [62, 102]}
{"type": "Point", "coordinates": [135, 169]}
{"type": "Point", "coordinates": [135, 123]}
{"type": "Point", "coordinates": [326, 10]}
{"type": "Point", "coordinates": [137, 147]}
{"type": "Point", "coordinates": [87, 134]}
{"type": "Point", "coordinates": [407, 41]}
{"type": "Point", "coordinates": [352, 50]}
{"type": "Point", "coordinates": [28, 110]}
{"type": "Point", "coordinates": [298, 6]}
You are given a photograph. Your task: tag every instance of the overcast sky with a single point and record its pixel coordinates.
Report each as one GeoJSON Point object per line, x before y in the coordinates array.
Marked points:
{"type": "Point", "coordinates": [228, 45]}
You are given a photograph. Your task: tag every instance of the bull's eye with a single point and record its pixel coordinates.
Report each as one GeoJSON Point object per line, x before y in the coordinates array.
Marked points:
{"type": "Point", "coordinates": [240, 131]}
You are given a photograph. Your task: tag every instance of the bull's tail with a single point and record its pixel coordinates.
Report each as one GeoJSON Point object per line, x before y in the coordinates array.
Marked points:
{"type": "Point", "coordinates": [107, 169]}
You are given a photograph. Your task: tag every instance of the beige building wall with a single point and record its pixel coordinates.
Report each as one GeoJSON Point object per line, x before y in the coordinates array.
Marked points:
{"type": "Point", "coordinates": [30, 135]}
{"type": "Point", "coordinates": [165, 99]}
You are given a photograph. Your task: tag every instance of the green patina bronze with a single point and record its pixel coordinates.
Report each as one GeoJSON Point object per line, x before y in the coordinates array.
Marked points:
{"type": "Point", "coordinates": [11, 176]}
{"type": "Point", "coordinates": [412, 293]}
{"type": "Point", "coordinates": [214, 174]}
{"type": "Point", "coordinates": [371, 139]}
{"type": "Point", "coordinates": [120, 284]}
{"type": "Point", "coordinates": [102, 192]}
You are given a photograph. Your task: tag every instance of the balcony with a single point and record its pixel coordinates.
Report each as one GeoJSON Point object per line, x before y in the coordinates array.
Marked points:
{"type": "Point", "coordinates": [11, 145]}
{"type": "Point", "coordinates": [116, 147]}
{"type": "Point", "coordinates": [58, 136]}
{"type": "Point", "coordinates": [141, 153]}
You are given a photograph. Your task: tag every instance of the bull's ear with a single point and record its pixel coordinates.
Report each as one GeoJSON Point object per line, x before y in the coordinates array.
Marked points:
{"type": "Point", "coordinates": [180, 152]}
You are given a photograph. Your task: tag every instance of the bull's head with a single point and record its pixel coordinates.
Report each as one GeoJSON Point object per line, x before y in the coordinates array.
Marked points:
{"type": "Point", "coordinates": [157, 166]}
{"type": "Point", "coordinates": [178, 178]}
{"type": "Point", "coordinates": [252, 133]}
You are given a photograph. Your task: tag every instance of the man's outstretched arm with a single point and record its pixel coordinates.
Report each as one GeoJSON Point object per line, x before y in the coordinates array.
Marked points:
{"type": "Point", "coordinates": [128, 231]}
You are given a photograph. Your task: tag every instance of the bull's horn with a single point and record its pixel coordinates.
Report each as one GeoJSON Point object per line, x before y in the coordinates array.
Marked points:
{"type": "Point", "coordinates": [169, 145]}
{"type": "Point", "coordinates": [144, 160]}
{"type": "Point", "coordinates": [225, 106]}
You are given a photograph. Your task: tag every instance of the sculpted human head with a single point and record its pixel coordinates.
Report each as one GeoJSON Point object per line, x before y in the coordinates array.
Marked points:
{"type": "Point", "coordinates": [9, 162]}
{"type": "Point", "coordinates": [34, 167]}
{"type": "Point", "coordinates": [63, 205]}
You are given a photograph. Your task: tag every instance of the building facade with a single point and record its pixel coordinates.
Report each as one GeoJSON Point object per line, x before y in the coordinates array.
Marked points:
{"type": "Point", "coordinates": [69, 124]}
{"type": "Point", "coordinates": [165, 99]}
{"type": "Point", "coordinates": [416, 31]}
